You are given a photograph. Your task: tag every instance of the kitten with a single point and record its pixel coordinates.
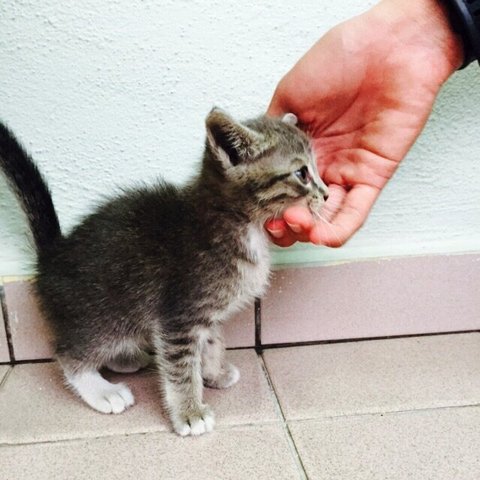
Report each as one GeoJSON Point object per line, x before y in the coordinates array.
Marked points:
{"type": "Point", "coordinates": [161, 268]}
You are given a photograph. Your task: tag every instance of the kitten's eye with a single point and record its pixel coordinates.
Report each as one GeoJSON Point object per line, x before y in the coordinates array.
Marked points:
{"type": "Point", "coordinates": [303, 175]}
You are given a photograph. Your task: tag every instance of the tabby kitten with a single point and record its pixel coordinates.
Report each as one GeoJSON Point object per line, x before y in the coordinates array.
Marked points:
{"type": "Point", "coordinates": [161, 268]}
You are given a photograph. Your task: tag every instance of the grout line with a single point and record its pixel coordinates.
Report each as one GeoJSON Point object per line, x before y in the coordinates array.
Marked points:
{"type": "Point", "coordinates": [3, 306]}
{"type": "Point", "coordinates": [80, 439]}
{"type": "Point", "coordinates": [258, 325]}
{"type": "Point", "coordinates": [273, 346]}
{"type": "Point", "coordinates": [249, 347]}
{"type": "Point", "coordinates": [278, 346]}
{"type": "Point", "coordinates": [384, 413]}
{"type": "Point", "coordinates": [33, 360]}
{"type": "Point", "coordinates": [259, 347]}
{"type": "Point", "coordinates": [291, 442]}
{"type": "Point", "coordinates": [223, 428]}
{"type": "Point", "coordinates": [168, 433]}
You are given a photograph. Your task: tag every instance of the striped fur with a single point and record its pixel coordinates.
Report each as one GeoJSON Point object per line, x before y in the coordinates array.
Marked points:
{"type": "Point", "coordinates": [159, 269]}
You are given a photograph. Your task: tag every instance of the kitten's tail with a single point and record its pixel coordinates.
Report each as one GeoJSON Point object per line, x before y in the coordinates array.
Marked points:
{"type": "Point", "coordinates": [31, 190]}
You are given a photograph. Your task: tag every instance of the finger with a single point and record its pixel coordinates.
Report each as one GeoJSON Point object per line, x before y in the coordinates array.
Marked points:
{"type": "Point", "coordinates": [286, 241]}
{"type": "Point", "coordinates": [277, 105]}
{"type": "Point", "coordinates": [351, 216]}
{"type": "Point", "coordinates": [275, 109]}
{"type": "Point", "coordinates": [279, 233]}
{"type": "Point", "coordinates": [299, 219]}
{"type": "Point", "coordinates": [276, 227]}
{"type": "Point", "coordinates": [282, 235]}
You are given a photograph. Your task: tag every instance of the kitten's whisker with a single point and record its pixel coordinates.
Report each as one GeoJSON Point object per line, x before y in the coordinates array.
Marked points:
{"type": "Point", "coordinates": [330, 210]}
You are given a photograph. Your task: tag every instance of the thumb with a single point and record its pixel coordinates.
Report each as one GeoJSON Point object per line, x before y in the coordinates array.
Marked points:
{"type": "Point", "coordinates": [350, 216]}
{"type": "Point", "coordinates": [278, 104]}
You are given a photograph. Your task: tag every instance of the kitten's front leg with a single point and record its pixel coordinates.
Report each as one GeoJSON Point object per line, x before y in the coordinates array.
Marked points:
{"type": "Point", "coordinates": [179, 361]}
{"type": "Point", "coordinates": [217, 372]}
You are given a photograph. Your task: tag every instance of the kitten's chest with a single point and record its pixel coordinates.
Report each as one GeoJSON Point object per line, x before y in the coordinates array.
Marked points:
{"type": "Point", "coordinates": [245, 277]}
{"type": "Point", "coordinates": [254, 268]}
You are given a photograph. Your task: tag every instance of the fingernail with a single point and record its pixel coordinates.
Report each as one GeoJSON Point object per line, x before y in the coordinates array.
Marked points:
{"type": "Point", "coordinates": [294, 228]}
{"type": "Point", "coordinates": [276, 233]}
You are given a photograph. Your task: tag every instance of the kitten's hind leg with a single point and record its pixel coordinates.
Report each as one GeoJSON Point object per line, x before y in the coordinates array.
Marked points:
{"type": "Point", "coordinates": [217, 372]}
{"type": "Point", "coordinates": [97, 392]}
{"type": "Point", "coordinates": [130, 364]}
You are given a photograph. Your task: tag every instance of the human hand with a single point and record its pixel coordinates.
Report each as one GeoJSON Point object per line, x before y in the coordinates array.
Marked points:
{"type": "Point", "coordinates": [364, 93]}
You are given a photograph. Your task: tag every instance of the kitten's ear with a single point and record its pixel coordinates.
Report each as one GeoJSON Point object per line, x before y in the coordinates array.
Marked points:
{"type": "Point", "coordinates": [290, 118]}
{"type": "Point", "coordinates": [231, 142]}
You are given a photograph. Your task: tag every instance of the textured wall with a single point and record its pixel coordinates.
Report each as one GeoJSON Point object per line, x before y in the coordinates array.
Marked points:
{"type": "Point", "coordinates": [108, 93]}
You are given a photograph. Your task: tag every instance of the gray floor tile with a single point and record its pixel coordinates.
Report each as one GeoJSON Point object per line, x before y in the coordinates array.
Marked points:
{"type": "Point", "coordinates": [439, 444]}
{"type": "Point", "coordinates": [35, 406]}
{"type": "Point", "coordinates": [249, 452]}
{"type": "Point", "coordinates": [376, 376]}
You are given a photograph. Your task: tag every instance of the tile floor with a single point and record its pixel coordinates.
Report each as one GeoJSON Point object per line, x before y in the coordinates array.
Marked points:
{"type": "Point", "coordinates": [386, 409]}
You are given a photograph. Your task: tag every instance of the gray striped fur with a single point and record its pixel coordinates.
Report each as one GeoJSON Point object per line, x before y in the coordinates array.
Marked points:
{"type": "Point", "coordinates": [159, 269]}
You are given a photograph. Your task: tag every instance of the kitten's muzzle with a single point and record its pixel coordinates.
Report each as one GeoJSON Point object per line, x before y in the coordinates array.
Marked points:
{"type": "Point", "coordinates": [323, 190]}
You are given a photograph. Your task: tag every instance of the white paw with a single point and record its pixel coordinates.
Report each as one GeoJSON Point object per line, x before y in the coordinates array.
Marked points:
{"type": "Point", "coordinates": [232, 376]}
{"type": "Point", "coordinates": [114, 399]}
{"type": "Point", "coordinates": [229, 376]}
{"type": "Point", "coordinates": [100, 394]}
{"type": "Point", "coordinates": [195, 423]}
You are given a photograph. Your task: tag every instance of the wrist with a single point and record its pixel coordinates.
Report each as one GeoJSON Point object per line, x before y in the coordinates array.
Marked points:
{"type": "Point", "coordinates": [428, 24]}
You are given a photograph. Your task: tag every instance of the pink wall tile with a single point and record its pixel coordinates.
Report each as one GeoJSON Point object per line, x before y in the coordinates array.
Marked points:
{"type": "Point", "coordinates": [371, 299]}
{"type": "Point", "coordinates": [31, 335]}
{"type": "Point", "coordinates": [4, 355]}
{"type": "Point", "coordinates": [357, 300]}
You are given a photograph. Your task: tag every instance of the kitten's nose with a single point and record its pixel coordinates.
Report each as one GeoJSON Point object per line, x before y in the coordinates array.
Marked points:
{"type": "Point", "coordinates": [324, 191]}
{"type": "Point", "coordinates": [322, 188]}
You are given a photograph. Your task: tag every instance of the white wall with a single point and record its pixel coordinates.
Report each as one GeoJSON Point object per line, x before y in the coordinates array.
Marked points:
{"type": "Point", "coordinates": [106, 93]}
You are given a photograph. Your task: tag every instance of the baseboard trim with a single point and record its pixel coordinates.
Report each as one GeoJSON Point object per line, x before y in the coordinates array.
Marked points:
{"type": "Point", "coordinates": [361, 301]}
